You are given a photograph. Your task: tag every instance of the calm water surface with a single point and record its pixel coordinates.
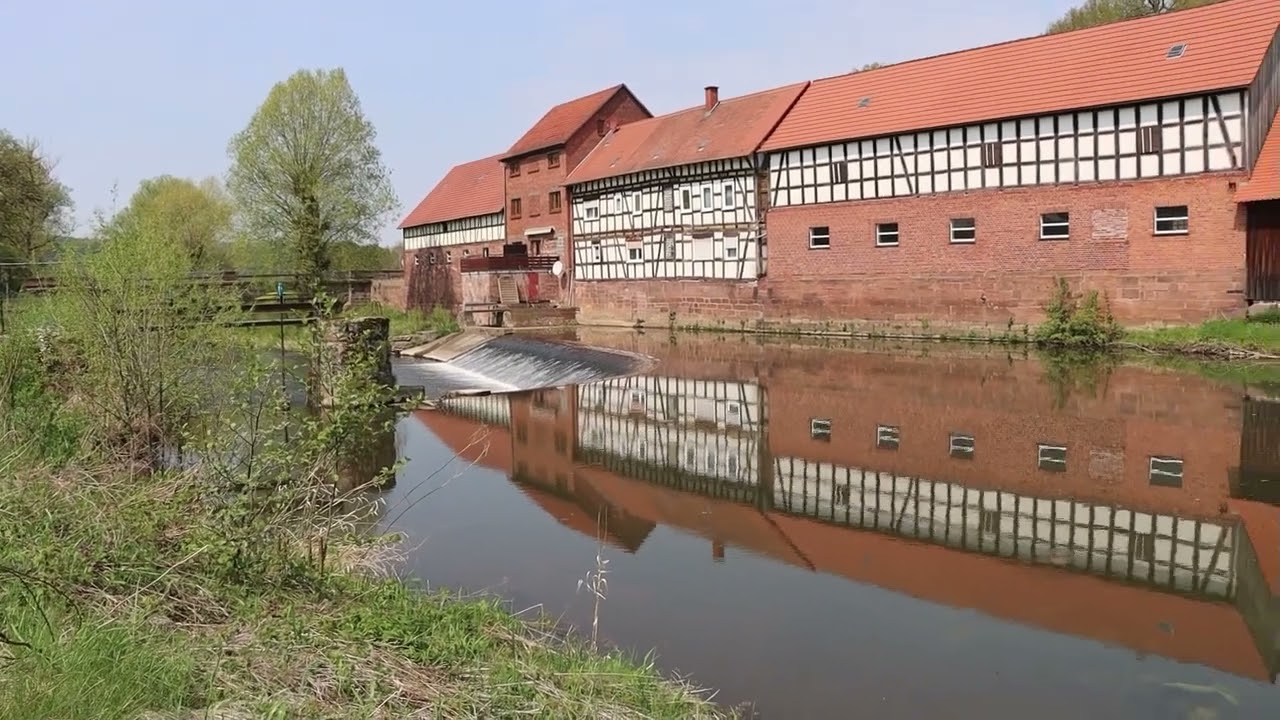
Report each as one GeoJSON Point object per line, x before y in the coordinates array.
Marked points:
{"type": "Point", "coordinates": [889, 532]}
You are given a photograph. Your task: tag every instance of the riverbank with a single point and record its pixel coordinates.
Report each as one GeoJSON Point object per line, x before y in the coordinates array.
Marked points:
{"type": "Point", "coordinates": [1241, 338]}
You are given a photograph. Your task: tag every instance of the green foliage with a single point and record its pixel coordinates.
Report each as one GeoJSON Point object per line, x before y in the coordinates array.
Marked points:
{"type": "Point", "coordinates": [35, 208]}
{"type": "Point", "coordinates": [1074, 322]}
{"type": "Point", "coordinates": [1268, 317]}
{"type": "Point", "coordinates": [33, 416]}
{"type": "Point", "coordinates": [1215, 337]}
{"type": "Point", "coordinates": [1099, 12]}
{"type": "Point", "coordinates": [306, 172]}
{"type": "Point", "coordinates": [177, 211]}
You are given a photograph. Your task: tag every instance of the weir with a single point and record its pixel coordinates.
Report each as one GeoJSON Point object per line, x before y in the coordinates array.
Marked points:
{"type": "Point", "coordinates": [508, 363]}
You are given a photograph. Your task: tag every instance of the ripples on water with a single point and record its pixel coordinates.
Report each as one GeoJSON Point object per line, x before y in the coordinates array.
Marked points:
{"type": "Point", "coordinates": [878, 532]}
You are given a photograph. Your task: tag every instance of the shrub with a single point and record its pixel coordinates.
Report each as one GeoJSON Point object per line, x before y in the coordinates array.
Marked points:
{"type": "Point", "coordinates": [1077, 321]}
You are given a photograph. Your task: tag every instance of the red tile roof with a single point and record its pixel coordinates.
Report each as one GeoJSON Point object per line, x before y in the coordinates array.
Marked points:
{"type": "Point", "coordinates": [1264, 183]}
{"type": "Point", "coordinates": [469, 189]}
{"type": "Point", "coordinates": [1109, 64]}
{"type": "Point", "coordinates": [562, 121]}
{"type": "Point", "coordinates": [734, 128]}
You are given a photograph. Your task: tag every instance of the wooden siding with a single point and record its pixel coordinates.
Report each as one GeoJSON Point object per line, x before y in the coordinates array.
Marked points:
{"type": "Point", "coordinates": [693, 221]}
{"type": "Point", "coordinates": [1264, 100]}
{"type": "Point", "coordinates": [479, 229]}
{"type": "Point", "coordinates": [1196, 134]}
{"type": "Point", "coordinates": [1157, 549]}
{"type": "Point", "coordinates": [1262, 252]}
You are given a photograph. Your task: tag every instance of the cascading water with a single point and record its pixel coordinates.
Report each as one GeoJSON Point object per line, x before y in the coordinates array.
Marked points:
{"type": "Point", "coordinates": [510, 362]}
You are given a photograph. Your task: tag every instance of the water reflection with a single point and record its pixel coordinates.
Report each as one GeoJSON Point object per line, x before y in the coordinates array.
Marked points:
{"type": "Point", "coordinates": [1136, 510]}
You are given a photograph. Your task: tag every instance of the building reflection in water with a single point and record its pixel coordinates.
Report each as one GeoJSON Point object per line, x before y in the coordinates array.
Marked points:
{"type": "Point", "coordinates": [1090, 519]}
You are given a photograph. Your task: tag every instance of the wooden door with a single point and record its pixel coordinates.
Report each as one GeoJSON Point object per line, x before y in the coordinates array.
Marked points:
{"type": "Point", "coordinates": [1262, 254]}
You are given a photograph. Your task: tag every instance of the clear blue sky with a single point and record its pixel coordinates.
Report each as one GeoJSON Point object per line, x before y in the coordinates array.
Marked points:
{"type": "Point", "coordinates": [126, 90]}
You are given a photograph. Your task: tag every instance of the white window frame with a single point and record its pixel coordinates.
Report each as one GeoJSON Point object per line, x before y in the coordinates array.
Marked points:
{"type": "Point", "coordinates": [972, 228]}
{"type": "Point", "coordinates": [962, 445]}
{"type": "Point", "coordinates": [1184, 218]}
{"type": "Point", "coordinates": [1065, 225]}
{"type": "Point", "coordinates": [637, 203]}
{"type": "Point", "coordinates": [707, 201]}
{"type": "Point", "coordinates": [686, 200]}
{"type": "Point", "coordinates": [591, 211]}
{"type": "Point", "coordinates": [730, 196]}
{"type": "Point", "coordinates": [882, 233]}
{"type": "Point", "coordinates": [1153, 472]}
{"type": "Point", "coordinates": [820, 428]}
{"type": "Point", "coordinates": [888, 437]}
{"type": "Point", "coordinates": [635, 253]}
{"type": "Point", "coordinates": [730, 250]}
{"type": "Point", "coordinates": [824, 236]}
{"type": "Point", "coordinates": [1043, 457]}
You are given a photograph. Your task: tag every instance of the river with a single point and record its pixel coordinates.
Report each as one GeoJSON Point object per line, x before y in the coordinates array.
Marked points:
{"type": "Point", "coordinates": [892, 531]}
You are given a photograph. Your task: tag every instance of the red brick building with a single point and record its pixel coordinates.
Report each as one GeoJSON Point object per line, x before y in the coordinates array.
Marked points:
{"type": "Point", "coordinates": [956, 187]}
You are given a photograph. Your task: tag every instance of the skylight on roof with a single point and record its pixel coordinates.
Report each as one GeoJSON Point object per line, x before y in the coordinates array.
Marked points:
{"type": "Point", "coordinates": [1176, 51]}
{"type": "Point", "coordinates": [865, 102]}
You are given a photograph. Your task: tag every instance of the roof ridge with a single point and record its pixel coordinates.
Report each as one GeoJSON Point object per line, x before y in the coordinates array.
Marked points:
{"type": "Point", "coordinates": [1095, 29]}
{"type": "Point", "coordinates": [722, 101]}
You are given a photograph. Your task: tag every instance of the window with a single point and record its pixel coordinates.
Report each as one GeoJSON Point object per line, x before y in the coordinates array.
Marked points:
{"type": "Point", "coordinates": [819, 238]}
{"type": "Point", "coordinates": [961, 446]}
{"type": "Point", "coordinates": [989, 522]}
{"type": "Point", "coordinates": [635, 253]}
{"type": "Point", "coordinates": [1142, 546]}
{"type": "Point", "coordinates": [637, 204]}
{"type": "Point", "coordinates": [601, 127]}
{"type": "Point", "coordinates": [485, 252]}
{"type": "Point", "coordinates": [706, 198]}
{"type": "Point", "coordinates": [887, 437]}
{"type": "Point", "coordinates": [513, 169]}
{"type": "Point", "coordinates": [592, 212]}
{"type": "Point", "coordinates": [1055, 226]}
{"type": "Point", "coordinates": [686, 200]}
{"type": "Point", "coordinates": [1150, 140]}
{"type": "Point", "coordinates": [515, 207]}
{"type": "Point", "coordinates": [1052, 458]}
{"type": "Point", "coordinates": [963, 230]}
{"type": "Point", "coordinates": [553, 160]}
{"type": "Point", "coordinates": [1164, 471]}
{"type": "Point", "coordinates": [992, 155]}
{"type": "Point", "coordinates": [1172, 220]}
{"type": "Point", "coordinates": [820, 429]}
{"type": "Point", "coordinates": [839, 172]}
{"type": "Point", "coordinates": [730, 197]}
{"type": "Point", "coordinates": [730, 251]}
{"type": "Point", "coordinates": [886, 234]}
{"type": "Point", "coordinates": [553, 201]}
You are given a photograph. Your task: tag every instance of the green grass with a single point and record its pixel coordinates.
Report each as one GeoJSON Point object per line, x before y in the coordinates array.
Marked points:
{"type": "Point", "coordinates": [1260, 334]}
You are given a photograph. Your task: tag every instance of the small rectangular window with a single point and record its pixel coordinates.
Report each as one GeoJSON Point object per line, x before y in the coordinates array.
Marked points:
{"type": "Point", "coordinates": [731, 251]}
{"type": "Point", "coordinates": [1150, 140]}
{"type": "Point", "coordinates": [886, 234]}
{"type": "Point", "coordinates": [839, 173]}
{"type": "Point", "coordinates": [820, 429]}
{"type": "Point", "coordinates": [961, 446]}
{"type": "Point", "coordinates": [1052, 458]}
{"type": "Point", "coordinates": [1164, 471]}
{"type": "Point", "coordinates": [553, 201]}
{"type": "Point", "coordinates": [591, 212]}
{"type": "Point", "coordinates": [513, 169]}
{"type": "Point", "coordinates": [1055, 226]}
{"type": "Point", "coordinates": [989, 522]}
{"type": "Point", "coordinates": [686, 199]}
{"type": "Point", "coordinates": [637, 204]}
{"type": "Point", "coordinates": [963, 230]}
{"type": "Point", "coordinates": [1172, 220]}
{"type": "Point", "coordinates": [887, 437]}
{"type": "Point", "coordinates": [730, 198]}
{"type": "Point", "coordinates": [635, 253]}
{"type": "Point", "coordinates": [992, 155]}
{"type": "Point", "coordinates": [553, 160]}
{"type": "Point", "coordinates": [706, 198]}
{"type": "Point", "coordinates": [515, 207]}
{"type": "Point", "coordinates": [819, 238]}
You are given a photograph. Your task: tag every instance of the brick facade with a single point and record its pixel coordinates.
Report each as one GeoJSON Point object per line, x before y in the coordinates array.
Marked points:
{"type": "Point", "coordinates": [433, 276]}
{"type": "Point", "coordinates": [1000, 281]}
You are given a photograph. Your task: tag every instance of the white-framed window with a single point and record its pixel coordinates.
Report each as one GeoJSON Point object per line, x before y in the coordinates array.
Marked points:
{"type": "Point", "coordinates": [730, 198]}
{"type": "Point", "coordinates": [1164, 471]}
{"type": "Point", "coordinates": [637, 203]}
{"type": "Point", "coordinates": [706, 198]}
{"type": "Point", "coordinates": [820, 429]}
{"type": "Point", "coordinates": [839, 172]}
{"type": "Point", "coordinates": [887, 234]}
{"type": "Point", "coordinates": [963, 230]}
{"type": "Point", "coordinates": [1172, 220]}
{"type": "Point", "coordinates": [887, 437]}
{"type": "Point", "coordinates": [730, 250]}
{"type": "Point", "coordinates": [686, 200]}
{"type": "Point", "coordinates": [961, 446]}
{"type": "Point", "coordinates": [635, 253]}
{"type": "Point", "coordinates": [1051, 457]}
{"type": "Point", "coordinates": [819, 237]}
{"type": "Point", "coordinates": [591, 212]}
{"type": "Point", "coordinates": [1055, 226]}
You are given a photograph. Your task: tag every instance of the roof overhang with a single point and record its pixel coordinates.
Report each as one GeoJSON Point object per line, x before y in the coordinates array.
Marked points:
{"type": "Point", "coordinates": [535, 231]}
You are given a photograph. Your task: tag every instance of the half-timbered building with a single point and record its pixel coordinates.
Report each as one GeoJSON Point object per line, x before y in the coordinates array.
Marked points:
{"type": "Point", "coordinates": [461, 216]}
{"type": "Point", "coordinates": [670, 199]}
{"type": "Point", "coordinates": [957, 187]}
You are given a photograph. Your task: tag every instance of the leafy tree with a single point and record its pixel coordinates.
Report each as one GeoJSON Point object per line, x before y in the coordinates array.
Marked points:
{"type": "Point", "coordinates": [35, 209]}
{"type": "Point", "coordinates": [362, 257]}
{"type": "Point", "coordinates": [306, 172]}
{"type": "Point", "coordinates": [1099, 12]}
{"type": "Point", "coordinates": [196, 216]}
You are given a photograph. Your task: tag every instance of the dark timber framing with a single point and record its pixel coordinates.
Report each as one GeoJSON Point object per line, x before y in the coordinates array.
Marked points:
{"type": "Point", "coordinates": [1264, 100]}
{"type": "Point", "coordinates": [462, 231]}
{"type": "Point", "coordinates": [1189, 135]}
{"type": "Point", "coordinates": [700, 221]}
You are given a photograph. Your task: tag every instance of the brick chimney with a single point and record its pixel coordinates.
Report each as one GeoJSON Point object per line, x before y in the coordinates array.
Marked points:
{"type": "Point", "coordinates": [712, 96]}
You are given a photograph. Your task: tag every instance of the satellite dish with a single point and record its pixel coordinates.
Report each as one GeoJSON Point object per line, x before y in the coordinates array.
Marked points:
{"type": "Point", "coordinates": [557, 269]}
